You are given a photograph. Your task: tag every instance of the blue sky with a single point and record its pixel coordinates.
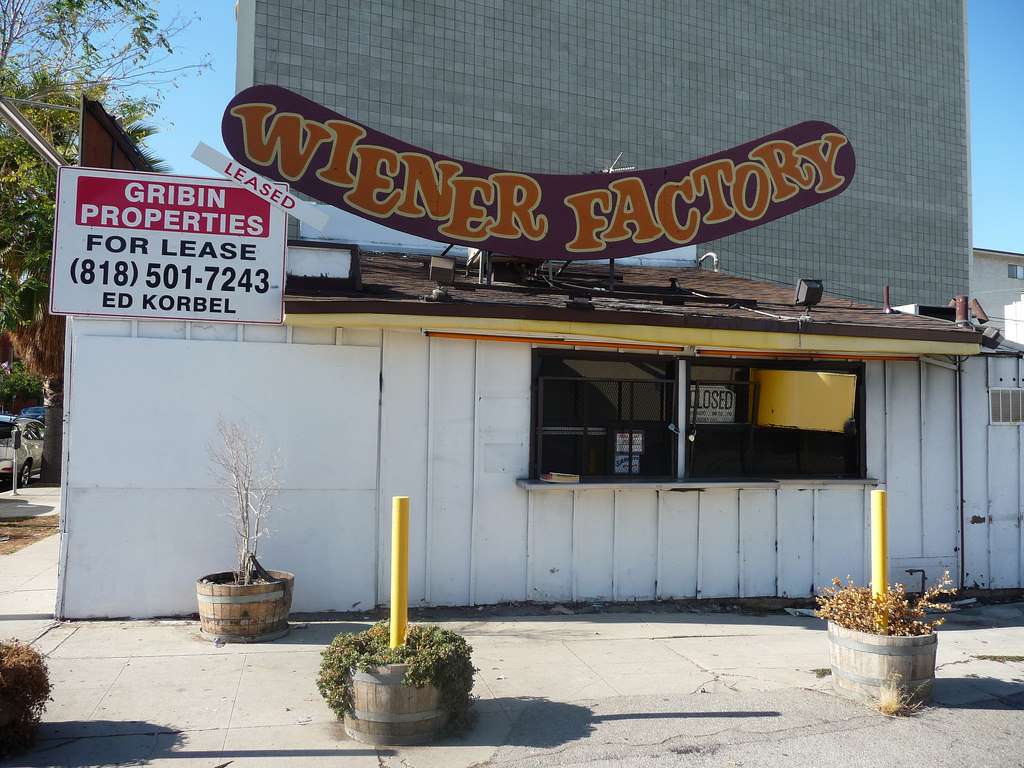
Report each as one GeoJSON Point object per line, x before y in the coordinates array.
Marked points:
{"type": "Point", "coordinates": [191, 112]}
{"type": "Point", "coordinates": [996, 70]}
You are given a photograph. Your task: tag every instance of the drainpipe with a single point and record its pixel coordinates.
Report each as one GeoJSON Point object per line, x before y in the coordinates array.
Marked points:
{"type": "Point", "coordinates": [960, 451]}
{"type": "Point", "coordinates": [960, 302]}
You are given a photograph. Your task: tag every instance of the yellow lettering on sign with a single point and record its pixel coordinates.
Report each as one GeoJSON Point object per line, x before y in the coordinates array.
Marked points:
{"type": "Point", "coordinates": [428, 186]}
{"type": "Point", "coordinates": [668, 217]}
{"type": "Point", "coordinates": [518, 196]}
{"type": "Point", "coordinates": [632, 217]}
{"type": "Point", "coordinates": [290, 138]}
{"type": "Point", "coordinates": [338, 168]}
{"type": "Point", "coordinates": [469, 219]}
{"type": "Point", "coordinates": [762, 191]}
{"type": "Point", "coordinates": [789, 176]}
{"type": "Point", "coordinates": [371, 182]}
{"type": "Point", "coordinates": [713, 178]}
{"type": "Point", "coordinates": [823, 154]}
{"type": "Point", "coordinates": [589, 223]}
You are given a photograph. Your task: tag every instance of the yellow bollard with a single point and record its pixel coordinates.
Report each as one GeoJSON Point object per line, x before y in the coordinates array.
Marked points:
{"type": "Point", "coordinates": [879, 552]}
{"type": "Point", "coordinates": [399, 569]}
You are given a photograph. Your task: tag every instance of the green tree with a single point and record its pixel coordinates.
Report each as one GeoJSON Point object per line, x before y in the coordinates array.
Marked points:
{"type": "Point", "coordinates": [52, 52]}
{"type": "Point", "coordinates": [17, 383]}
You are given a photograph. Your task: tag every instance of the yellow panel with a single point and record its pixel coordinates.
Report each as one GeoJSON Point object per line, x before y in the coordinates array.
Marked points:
{"type": "Point", "coordinates": [805, 399]}
{"type": "Point", "coordinates": [702, 337]}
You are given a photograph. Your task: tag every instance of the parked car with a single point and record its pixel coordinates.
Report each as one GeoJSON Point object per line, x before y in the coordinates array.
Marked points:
{"type": "Point", "coordinates": [37, 412]}
{"type": "Point", "coordinates": [29, 458]}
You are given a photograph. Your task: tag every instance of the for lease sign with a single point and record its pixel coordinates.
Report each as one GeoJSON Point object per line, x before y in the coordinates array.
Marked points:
{"type": "Point", "coordinates": [146, 245]}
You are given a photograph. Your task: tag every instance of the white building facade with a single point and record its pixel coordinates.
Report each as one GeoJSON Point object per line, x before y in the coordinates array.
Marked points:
{"type": "Point", "coordinates": [361, 413]}
{"type": "Point", "coordinates": [997, 282]}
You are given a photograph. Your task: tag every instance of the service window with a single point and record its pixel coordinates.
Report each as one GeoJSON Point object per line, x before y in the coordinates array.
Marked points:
{"type": "Point", "coordinates": [604, 416]}
{"type": "Point", "coordinates": [775, 421]}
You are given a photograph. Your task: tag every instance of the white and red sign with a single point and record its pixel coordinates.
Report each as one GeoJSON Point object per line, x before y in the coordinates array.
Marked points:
{"type": "Point", "coordinates": [148, 245]}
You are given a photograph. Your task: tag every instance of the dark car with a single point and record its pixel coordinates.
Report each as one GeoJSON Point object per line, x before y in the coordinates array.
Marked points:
{"type": "Point", "coordinates": [37, 412]}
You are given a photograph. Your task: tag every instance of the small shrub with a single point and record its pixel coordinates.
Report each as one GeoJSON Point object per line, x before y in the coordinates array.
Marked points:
{"type": "Point", "coordinates": [435, 657]}
{"type": "Point", "coordinates": [24, 691]}
{"type": "Point", "coordinates": [893, 613]}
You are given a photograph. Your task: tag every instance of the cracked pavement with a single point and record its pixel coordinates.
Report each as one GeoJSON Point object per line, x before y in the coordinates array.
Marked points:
{"type": "Point", "coordinates": [623, 689]}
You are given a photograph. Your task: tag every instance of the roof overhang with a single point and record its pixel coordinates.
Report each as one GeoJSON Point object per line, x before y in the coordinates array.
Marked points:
{"type": "Point", "coordinates": [832, 338]}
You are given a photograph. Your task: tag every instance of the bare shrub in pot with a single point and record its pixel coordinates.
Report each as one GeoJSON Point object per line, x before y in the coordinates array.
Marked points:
{"type": "Point", "coordinates": [249, 603]}
{"type": "Point", "coordinates": [882, 649]}
{"type": "Point", "coordinates": [252, 484]}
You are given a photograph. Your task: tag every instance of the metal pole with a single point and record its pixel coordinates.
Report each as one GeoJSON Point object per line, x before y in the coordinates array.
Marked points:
{"type": "Point", "coordinates": [16, 442]}
{"type": "Point", "coordinates": [399, 569]}
{"type": "Point", "coordinates": [879, 553]}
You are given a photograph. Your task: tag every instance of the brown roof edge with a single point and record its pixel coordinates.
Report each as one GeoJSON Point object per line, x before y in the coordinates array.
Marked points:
{"type": "Point", "coordinates": [300, 305]}
{"type": "Point", "coordinates": [117, 133]}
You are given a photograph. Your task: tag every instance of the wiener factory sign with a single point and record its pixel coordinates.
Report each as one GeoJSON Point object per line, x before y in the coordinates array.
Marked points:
{"type": "Point", "coordinates": [339, 161]}
{"type": "Point", "coordinates": [146, 245]}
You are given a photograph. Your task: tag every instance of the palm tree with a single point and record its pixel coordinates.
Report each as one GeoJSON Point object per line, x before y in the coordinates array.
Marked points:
{"type": "Point", "coordinates": [27, 195]}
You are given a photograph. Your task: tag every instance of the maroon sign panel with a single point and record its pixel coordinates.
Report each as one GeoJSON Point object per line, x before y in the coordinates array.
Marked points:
{"type": "Point", "coordinates": [339, 161]}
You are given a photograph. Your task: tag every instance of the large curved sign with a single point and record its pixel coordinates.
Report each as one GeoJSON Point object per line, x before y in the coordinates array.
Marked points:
{"type": "Point", "coordinates": [331, 158]}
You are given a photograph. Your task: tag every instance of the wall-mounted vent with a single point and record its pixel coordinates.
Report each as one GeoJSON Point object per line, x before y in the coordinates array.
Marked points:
{"type": "Point", "coordinates": [1006, 405]}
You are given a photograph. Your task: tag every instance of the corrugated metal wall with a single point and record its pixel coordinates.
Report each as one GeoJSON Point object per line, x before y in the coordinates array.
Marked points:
{"type": "Point", "coordinates": [453, 432]}
{"type": "Point", "coordinates": [994, 549]}
{"type": "Point", "coordinates": [461, 410]}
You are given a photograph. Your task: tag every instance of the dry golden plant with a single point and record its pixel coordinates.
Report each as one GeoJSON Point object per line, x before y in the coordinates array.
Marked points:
{"type": "Point", "coordinates": [892, 613]}
{"type": "Point", "coordinates": [896, 701]}
{"type": "Point", "coordinates": [24, 691]}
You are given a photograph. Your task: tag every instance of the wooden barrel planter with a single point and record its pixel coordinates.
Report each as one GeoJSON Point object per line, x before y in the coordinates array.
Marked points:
{"type": "Point", "coordinates": [388, 712]}
{"type": "Point", "coordinates": [252, 613]}
{"type": "Point", "coordinates": [862, 664]}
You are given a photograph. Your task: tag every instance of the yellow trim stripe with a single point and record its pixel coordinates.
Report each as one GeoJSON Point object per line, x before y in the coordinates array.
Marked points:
{"type": "Point", "coordinates": [651, 334]}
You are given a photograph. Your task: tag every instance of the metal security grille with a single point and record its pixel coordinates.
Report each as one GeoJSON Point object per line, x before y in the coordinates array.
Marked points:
{"type": "Point", "coordinates": [593, 425]}
{"type": "Point", "coordinates": [1006, 405]}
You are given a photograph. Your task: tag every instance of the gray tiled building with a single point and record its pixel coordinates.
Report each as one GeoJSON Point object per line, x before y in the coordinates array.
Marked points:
{"type": "Point", "coordinates": [549, 86]}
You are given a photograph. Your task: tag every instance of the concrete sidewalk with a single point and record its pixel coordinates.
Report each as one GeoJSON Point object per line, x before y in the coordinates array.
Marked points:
{"type": "Point", "coordinates": [604, 689]}
{"type": "Point", "coordinates": [34, 501]}
{"type": "Point", "coordinates": [28, 578]}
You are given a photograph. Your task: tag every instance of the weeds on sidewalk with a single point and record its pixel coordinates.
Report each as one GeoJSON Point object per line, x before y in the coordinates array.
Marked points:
{"type": "Point", "coordinates": [895, 701]}
{"type": "Point", "coordinates": [1003, 659]}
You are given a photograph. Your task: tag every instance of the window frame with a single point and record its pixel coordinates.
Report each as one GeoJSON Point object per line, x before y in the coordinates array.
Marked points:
{"type": "Point", "coordinates": [537, 415]}
{"type": "Point", "coordinates": [857, 368]}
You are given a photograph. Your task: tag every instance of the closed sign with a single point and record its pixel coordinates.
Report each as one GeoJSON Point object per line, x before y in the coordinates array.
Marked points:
{"type": "Point", "coordinates": [713, 404]}
{"type": "Point", "coordinates": [147, 245]}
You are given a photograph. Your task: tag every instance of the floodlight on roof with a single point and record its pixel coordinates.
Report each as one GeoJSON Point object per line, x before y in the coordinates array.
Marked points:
{"type": "Point", "coordinates": [808, 292]}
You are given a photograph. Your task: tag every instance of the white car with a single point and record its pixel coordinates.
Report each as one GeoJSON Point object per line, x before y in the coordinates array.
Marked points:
{"type": "Point", "coordinates": [29, 459]}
